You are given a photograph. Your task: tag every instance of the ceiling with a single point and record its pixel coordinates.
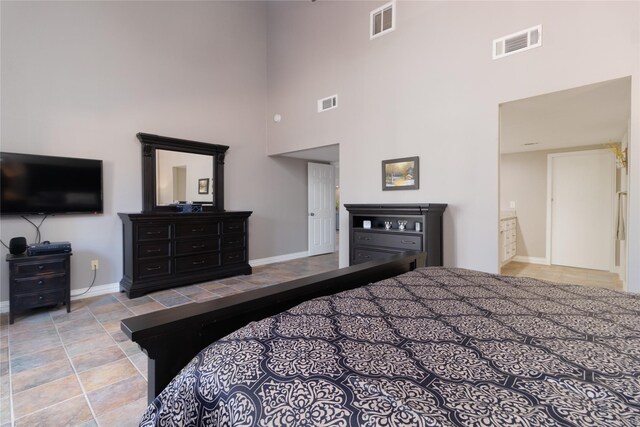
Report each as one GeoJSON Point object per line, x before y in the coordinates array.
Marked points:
{"type": "Point", "coordinates": [328, 153]}
{"type": "Point", "coordinates": [587, 115]}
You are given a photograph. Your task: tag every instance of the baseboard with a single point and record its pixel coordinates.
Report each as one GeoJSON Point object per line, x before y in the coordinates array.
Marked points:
{"type": "Point", "coordinates": [115, 287]}
{"type": "Point", "coordinates": [278, 258]}
{"type": "Point", "coordinates": [76, 294]}
{"type": "Point", "coordinates": [531, 259]}
{"type": "Point", "coordinates": [95, 291]}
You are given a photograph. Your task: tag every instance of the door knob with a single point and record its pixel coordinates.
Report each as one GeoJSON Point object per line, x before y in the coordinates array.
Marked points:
{"type": "Point", "coordinates": [312, 214]}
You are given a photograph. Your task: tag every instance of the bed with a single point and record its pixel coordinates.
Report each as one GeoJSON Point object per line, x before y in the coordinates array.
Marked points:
{"type": "Point", "coordinates": [419, 346]}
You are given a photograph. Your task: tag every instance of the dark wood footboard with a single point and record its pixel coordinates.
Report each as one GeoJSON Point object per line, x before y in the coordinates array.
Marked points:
{"type": "Point", "coordinates": [172, 337]}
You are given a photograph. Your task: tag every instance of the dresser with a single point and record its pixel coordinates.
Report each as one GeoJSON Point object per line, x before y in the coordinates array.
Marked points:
{"type": "Point", "coordinates": [370, 240]}
{"type": "Point", "coordinates": [38, 281]}
{"type": "Point", "coordinates": [164, 250]}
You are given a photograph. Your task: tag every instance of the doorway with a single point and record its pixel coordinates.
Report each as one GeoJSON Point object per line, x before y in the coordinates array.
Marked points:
{"type": "Point", "coordinates": [580, 201]}
{"type": "Point", "coordinates": [565, 126]}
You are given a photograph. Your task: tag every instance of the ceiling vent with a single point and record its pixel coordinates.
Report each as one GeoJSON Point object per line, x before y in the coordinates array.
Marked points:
{"type": "Point", "coordinates": [382, 20]}
{"type": "Point", "coordinates": [328, 103]}
{"type": "Point", "coordinates": [517, 42]}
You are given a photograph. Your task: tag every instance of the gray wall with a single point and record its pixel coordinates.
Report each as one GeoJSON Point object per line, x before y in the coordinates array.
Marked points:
{"type": "Point", "coordinates": [80, 79]}
{"type": "Point", "coordinates": [431, 89]}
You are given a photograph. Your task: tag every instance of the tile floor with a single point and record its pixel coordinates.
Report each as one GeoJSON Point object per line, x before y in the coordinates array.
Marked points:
{"type": "Point", "coordinates": [79, 369]}
{"type": "Point", "coordinates": [558, 273]}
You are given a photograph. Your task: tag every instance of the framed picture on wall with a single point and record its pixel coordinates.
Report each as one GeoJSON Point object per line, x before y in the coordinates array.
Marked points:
{"type": "Point", "coordinates": [203, 186]}
{"type": "Point", "coordinates": [401, 174]}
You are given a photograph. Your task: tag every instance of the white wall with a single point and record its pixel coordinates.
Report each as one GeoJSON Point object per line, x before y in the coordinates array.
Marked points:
{"type": "Point", "coordinates": [80, 79]}
{"type": "Point", "coordinates": [431, 89]}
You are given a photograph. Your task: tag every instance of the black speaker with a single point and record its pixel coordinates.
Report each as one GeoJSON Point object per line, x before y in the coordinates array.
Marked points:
{"type": "Point", "coordinates": [17, 245]}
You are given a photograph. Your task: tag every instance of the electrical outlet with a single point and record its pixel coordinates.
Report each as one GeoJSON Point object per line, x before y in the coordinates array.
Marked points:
{"type": "Point", "coordinates": [512, 205]}
{"type": "Point", "coordinates": [94, 264]}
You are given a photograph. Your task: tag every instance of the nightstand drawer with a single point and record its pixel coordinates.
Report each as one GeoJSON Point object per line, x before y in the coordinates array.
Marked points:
{"type": "Point", "coordinates": [196, 229]}
{"type": "Point", "coordinates": [40, 267]}
{"type": "Point", "coordinates": [154, 232]}
{"type": "Point", "coordinates": [39, 299]}
{"type": "Point", "coordinates": [33, 284]}
{"type": "Point", "coordinates": [396, 241]}
{"type": "Point", "coordinates": [197, 262]}
{"type": "Point", "coordinates": [194, 246]}
{"type": "Point", "coordinates": [149, 250]}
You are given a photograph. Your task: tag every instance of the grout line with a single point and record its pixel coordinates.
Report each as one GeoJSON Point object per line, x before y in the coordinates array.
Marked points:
{"type": "Point", "coordinates": [12, 417]}
{"type": "Point", "coordinates": [75, 371]}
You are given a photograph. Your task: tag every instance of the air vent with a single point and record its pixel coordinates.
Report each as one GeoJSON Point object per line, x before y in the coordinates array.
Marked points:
{"type": "Point", "coordinates": [383, 20]}
{"type": "Point", "coordinates": [328, 103]}
{"type": "Point", "coordinates": [517, 42]}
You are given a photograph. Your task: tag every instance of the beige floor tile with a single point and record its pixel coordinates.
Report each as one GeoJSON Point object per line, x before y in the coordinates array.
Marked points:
{"type": "Point", "coordinates": [115, 396]}
{"type": "Point", "coordinates": [72, 412]}
{"type": "Point", "coordinates": [84, 346]}
{"type": "Point", "coordinates": [95, 358]}
{"type": "Point", "coordinates": [128, 415]}
{"type": "Point", "coordinates": [147, 308]}
{"type": "Point", "coordinates": [45, 395]}
{"type": "Point", "coordinates": [104, 375]}
{"type": "Point", "coordinates": [5, 410]}
{"type": "Point", "coordinates": [40, 375]}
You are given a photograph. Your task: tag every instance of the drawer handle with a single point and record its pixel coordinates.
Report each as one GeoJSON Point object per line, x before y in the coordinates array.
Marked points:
{"type": "Point", "coordinates": [407, 241]}
{"type": "Point", "coordinates": [41, 267]}
{"type": "Point", "coordinates": [233, 227]}
{"type": "Point", "coordinates": [365, 256]}
{"type": "Point", "coordinates": [196, 230]}
{"type": "Point", "coordinates": [40, 282]}
{"type": "Point", "coordinates": [150, 251]}
{"type": "Point", "coordinates": [197, 246]}
{"type": "Point", "coordinates": [40, 297]}
{"type": "Point", "coordinates": [198, 262]}
{"type": "Point", "coordinates": [157, 267]}
{"type": "Point", "coordinates": [233, 242]}
{"type": "Point", "coordinates": [364, 238]}
{"type": "Point", "coordinates": [153, 232]}
{"type": "Point", "coordinates": [234, 256]}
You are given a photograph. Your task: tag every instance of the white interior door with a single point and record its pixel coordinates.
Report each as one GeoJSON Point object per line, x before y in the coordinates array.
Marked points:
{"type": "Point", "coordinates": [322, 211]}
{"type": "Point", "coordinates": [582, 189]}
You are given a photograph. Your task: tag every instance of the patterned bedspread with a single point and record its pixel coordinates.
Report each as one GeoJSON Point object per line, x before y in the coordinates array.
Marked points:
{"type": "Point", "coordinates": [433, 347]}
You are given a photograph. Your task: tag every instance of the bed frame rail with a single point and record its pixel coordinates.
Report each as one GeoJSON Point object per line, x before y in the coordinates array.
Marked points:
{"type": "Point", "coordinates": [172, 337]}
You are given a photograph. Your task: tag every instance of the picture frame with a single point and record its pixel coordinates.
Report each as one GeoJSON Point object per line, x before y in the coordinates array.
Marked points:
{"type": "Point", "coordinates": [203, 186]}
{"type": "Point", "coordinates": [401, 174]}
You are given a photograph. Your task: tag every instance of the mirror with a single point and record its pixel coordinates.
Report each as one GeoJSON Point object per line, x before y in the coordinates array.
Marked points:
{"type": "Point", "coordinates": [179, 170]}
{"type": "Point", "coordinates": [183, 177]}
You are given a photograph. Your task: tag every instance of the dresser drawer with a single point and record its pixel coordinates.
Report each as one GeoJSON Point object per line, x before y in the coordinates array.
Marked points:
{"type": "Point", "coordinates": [233, 227]}
{"type": "Point", "coordinates": [153, 268]}
{"type": "Point", "coordinates": [233, 241]}
{"type": "Point", "coordinates": [196, 229]}
{"type": "Point", "coordinates": [154, 232]}
{"type": "Point", "coordinates": [234, 257]}
{"type": "Point", "coordinates": [40, 267]}
{"type": "Point", "coordinates": [41, 283]}
{"type": "Point", "coordinates": [148, 250]}
{"type": "Point", "coordinates": [194, 246]}
{"type": "Point", "coordinates": [38, 299]}
{"type": "Point", "coordinates": [197, 262]}
{"type": "Point", "coordinates": [396, 241]}
{"type": "Point", "coordinates": [364, 255]}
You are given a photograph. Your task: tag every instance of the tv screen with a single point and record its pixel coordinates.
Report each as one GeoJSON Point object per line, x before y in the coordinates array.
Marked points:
{"type": "Point", "coordinates": [31, 184]}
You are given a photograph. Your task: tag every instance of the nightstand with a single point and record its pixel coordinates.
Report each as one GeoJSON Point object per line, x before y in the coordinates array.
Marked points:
{"type": "Point", "coordinates": [38, 281]}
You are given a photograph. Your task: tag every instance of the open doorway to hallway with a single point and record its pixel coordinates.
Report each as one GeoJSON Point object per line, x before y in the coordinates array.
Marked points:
{"type": "Point", "coordinates": [546, 230]}
{"type": "Point", "coordinates": [323, 198]}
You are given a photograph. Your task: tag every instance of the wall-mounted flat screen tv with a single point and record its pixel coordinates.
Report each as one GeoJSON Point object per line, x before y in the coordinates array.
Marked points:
{"type": "Point", "coordinates": [32, 184]}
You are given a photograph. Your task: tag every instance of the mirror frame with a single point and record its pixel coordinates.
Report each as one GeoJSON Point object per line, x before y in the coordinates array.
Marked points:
{"type": "Point", "coordinates": [151, 143]}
